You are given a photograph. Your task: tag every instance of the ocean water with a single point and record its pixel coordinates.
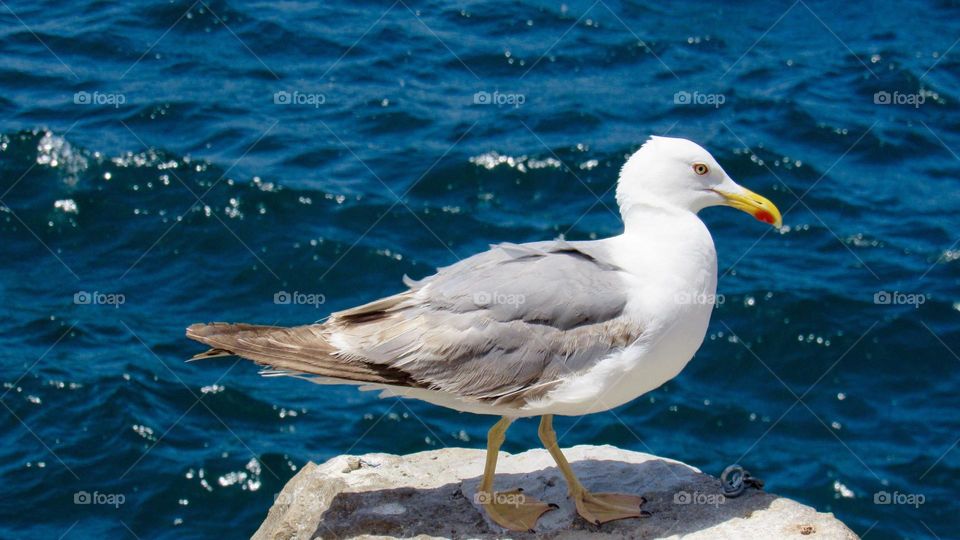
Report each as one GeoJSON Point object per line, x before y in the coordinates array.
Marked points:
{"type": "Point", "coordinates": [166, 163]}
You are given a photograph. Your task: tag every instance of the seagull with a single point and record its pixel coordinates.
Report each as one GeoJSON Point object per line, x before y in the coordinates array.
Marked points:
{"type": "Point", "coordinates": [535, 329]}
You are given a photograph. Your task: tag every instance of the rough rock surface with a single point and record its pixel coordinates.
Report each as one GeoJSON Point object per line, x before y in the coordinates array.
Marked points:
{"type": "Point", "coordinates": [431, 495]}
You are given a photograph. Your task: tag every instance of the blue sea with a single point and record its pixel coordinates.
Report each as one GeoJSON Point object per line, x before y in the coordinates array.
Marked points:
{"type": "Point", "coordinates": [165, 163]}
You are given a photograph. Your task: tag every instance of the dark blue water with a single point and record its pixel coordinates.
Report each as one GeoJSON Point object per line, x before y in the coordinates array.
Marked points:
{"type": "Point", "coordinates": [188, 161]}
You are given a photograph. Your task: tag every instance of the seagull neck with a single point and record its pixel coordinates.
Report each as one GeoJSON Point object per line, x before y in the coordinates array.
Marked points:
{"type": "Point", "coordinates": [655, 218]}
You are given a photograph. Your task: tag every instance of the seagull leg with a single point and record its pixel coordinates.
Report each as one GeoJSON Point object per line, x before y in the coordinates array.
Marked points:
{"type": "Point", "coordinates": [597, 508]}
{"type": "Point", "coordinates": [510, 509]}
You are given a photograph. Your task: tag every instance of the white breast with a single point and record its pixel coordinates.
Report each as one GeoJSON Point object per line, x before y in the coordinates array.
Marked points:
{"type": "Point", "coordinates": [671, 280]}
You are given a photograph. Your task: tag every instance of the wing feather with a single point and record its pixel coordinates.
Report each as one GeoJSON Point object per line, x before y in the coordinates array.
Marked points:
{"type": "Point", "coordinates": [504, 325]}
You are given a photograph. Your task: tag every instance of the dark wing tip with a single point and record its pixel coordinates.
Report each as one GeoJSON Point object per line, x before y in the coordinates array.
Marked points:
{"type": "Point", "coordinates": [212, 353]}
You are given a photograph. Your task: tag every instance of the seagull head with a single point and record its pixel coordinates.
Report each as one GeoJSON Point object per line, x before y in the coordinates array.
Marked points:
{"type": "Point", "coordinates": [680, 174]}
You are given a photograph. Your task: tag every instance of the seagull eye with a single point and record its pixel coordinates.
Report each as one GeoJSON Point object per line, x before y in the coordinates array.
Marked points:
{"type": "Point", "coordinates": [700, 169]}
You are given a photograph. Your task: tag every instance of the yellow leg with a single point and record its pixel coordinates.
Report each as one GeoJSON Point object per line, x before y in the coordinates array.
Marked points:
{"type": "Point", "coordinates": [596, 508]}
{"type": "Point", "coordinates": [510, 509]}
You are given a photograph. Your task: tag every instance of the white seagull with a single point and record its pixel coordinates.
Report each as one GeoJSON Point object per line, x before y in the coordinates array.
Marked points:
{"type": "Point", "coordinates": [536, 329]}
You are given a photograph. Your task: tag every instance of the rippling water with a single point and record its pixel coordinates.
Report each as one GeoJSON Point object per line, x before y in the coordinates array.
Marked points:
{"type": "Point", "coordinates": [178, 162]}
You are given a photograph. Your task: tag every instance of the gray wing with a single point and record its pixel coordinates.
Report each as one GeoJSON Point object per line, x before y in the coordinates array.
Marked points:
{"type": "Point", "coordinates": [502, 325]}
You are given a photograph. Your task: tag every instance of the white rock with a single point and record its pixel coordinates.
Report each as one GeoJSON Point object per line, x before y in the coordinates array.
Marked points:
{"type": "Point", "coordinates": [431, 495]}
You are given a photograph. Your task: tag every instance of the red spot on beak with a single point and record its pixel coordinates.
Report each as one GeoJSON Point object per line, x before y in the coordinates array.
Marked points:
{"type": "Point", "coordinates": [764, 216]}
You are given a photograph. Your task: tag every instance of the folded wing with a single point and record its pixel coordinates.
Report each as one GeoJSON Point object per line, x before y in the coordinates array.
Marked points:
{"type": "Point", "coordinates": [506, 324]}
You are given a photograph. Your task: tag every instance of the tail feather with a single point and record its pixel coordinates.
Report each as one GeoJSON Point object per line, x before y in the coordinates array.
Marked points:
{"type": "Point", "coordinates": [303, 350]}
{"type": "Point", "coordinates": [212, 353]}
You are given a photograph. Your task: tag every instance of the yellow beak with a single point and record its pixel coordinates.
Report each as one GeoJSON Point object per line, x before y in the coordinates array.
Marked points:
{"type": "Point", "coordinates": [757, 206]}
